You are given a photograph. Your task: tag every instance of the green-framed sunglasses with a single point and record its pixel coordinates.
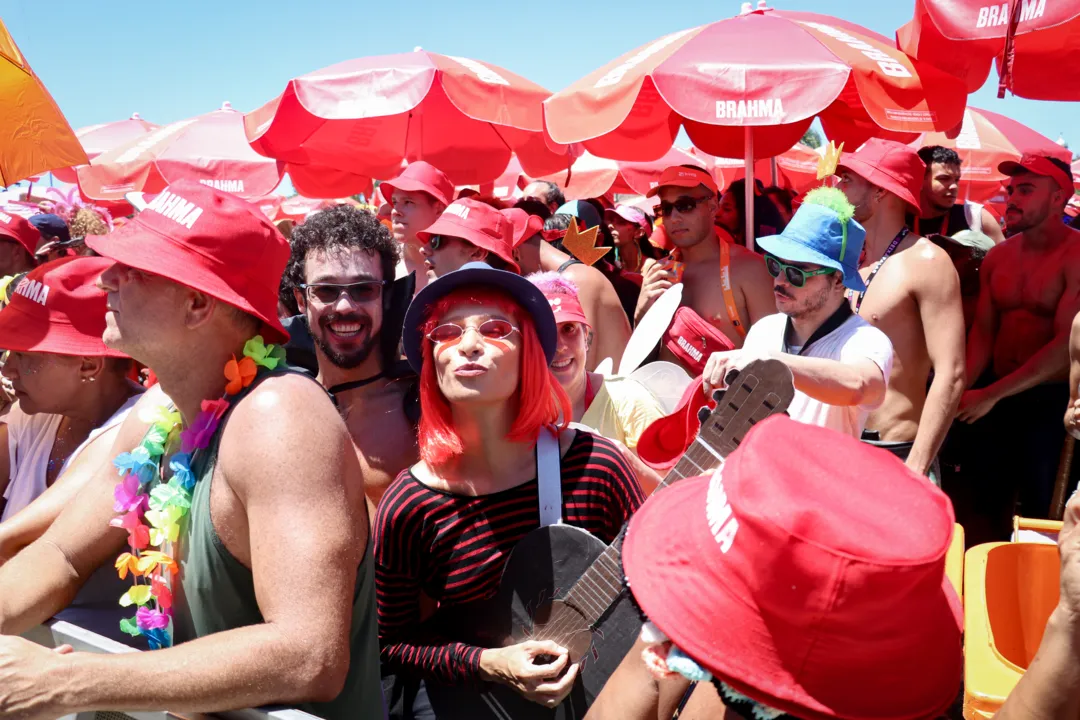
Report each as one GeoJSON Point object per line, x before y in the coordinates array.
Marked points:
{"type": "Point", "coordinates": [794, 274]}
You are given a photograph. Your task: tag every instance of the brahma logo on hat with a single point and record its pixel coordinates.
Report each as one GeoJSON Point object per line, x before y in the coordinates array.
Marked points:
{"type": "Point", "coordinates": [58, 308]}
{"type": "Point", "coordinates": [209, 240]}
{"type": "Point", "coordinates": [791, 577]}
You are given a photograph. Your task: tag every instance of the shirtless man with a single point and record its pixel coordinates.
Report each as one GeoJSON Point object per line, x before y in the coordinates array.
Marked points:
{"type": "Point", "coordinates": [598, 298]}
{"type": "Point", "coordinates": [1018, 354]}
{"type": "Point", "coordinates": [941, 214]}
{"type": "Point", "coordinates": [913, 296]}
{"type": "Point", "coordinates": [418, 197]}
{"type": "Point", "coordinates": [688, 203]}
{"type": "Point", "coordinates": [341, 260]}
{"type": "Point", "coordinates": [277, 495]}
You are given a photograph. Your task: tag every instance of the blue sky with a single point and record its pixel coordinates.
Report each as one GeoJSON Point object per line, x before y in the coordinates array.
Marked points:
{"type": "Point", "coordinates": [172, 60]}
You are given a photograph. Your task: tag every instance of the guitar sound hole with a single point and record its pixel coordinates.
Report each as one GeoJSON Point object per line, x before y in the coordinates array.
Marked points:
{"type": "Point", "coordinates": [545, 659]}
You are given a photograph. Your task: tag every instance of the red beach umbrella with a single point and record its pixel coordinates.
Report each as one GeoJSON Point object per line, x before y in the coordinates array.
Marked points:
{"type": "Point", "coordinates": [210, 149]}
{"type": "Point", "coordinates": [367, 116]}
{"type": "Point", "coordinates": [97, 139]}
{"type": "Point", "coordinates": [1027, 39]}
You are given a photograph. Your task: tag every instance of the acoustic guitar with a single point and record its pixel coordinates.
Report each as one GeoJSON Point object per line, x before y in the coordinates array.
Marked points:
{"type": "Point", "coordinates": [563, 584]}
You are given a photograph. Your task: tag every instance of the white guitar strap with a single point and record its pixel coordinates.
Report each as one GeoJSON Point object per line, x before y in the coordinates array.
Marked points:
{"type": "Point", "coordinates": [549, 478]}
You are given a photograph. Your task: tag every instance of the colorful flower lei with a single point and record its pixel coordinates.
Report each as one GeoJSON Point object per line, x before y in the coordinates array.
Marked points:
{"type": "Point", "coordinates": [152, 509]}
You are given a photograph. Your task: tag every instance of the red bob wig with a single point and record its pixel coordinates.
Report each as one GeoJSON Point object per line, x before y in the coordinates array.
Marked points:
{"type": "Point", "coordinates": [540, 398]}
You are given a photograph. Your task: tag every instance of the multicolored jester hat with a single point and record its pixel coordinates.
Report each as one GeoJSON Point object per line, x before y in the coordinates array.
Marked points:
{"type": "Point", "coordinates": [152, 509]}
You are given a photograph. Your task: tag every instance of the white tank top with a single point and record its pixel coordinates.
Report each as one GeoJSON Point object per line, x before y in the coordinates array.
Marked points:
{"type": "Point", "coordinates": [30, 442]}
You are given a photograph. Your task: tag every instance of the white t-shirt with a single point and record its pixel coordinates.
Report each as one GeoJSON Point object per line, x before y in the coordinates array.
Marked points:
{"type": "Point", "coordinates": [30, 443]}
{"type": "Point", "coordinates": [853, 340]}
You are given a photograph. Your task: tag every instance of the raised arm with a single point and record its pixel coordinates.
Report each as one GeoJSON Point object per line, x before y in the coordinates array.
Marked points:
{"type": "Point", "coordinates": [836, 382]}
{"type": "Point", "coordinates": [991, 227]}
{"type": "Point", "coordinates": [603, 309]}
{"type": "Point", "coordinates": [299, 484]}
{"type": "Point", "coordinates": [937, 293]}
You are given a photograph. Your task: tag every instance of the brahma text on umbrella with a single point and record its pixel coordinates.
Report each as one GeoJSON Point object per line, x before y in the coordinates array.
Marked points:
{"type": "Point", "coordinates": [998, 14]}
{"type": "Point", "coordinates": [233, 186]}
{"type": "Point", "coordinates": [888, 64]}
{"type": "Point", "coordinates": [749, 109]}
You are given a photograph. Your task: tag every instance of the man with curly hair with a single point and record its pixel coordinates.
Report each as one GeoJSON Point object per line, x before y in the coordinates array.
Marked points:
{"type": "Point", "coordinates": [840, 362]}
{"type": "Point", "coordinates": [341, 270]}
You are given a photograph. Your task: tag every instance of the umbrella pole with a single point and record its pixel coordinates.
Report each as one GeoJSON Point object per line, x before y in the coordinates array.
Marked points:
{"type": "Point", "coordinates": [772, 169]}
{"type": "Point", "coordinates": [748, 195]}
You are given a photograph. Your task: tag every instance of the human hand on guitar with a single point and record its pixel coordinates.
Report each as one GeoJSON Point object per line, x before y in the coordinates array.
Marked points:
{"type": "Point", "coordinates": [527, 668]}
{"type": "Point", "coordinates": [722, 366]}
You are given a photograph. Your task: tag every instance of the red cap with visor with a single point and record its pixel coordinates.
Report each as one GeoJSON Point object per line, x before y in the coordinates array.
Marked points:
{"type": "Point", "coordinates": [1038, 165]}
{"type": "Point", "coordinates": [20, 230]}
{"type": "Point", "coordinates": [679, 176]}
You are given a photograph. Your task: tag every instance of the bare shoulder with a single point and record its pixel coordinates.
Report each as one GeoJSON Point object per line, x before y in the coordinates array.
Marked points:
{"type": "Point", "coordinates": [746, 261]}
{"type": "Point", "coordinates": [287, 423]}
{"type": "Point", "coordinates": [134, 427]}
{"type": "Point", "coordinates": [585, 276]}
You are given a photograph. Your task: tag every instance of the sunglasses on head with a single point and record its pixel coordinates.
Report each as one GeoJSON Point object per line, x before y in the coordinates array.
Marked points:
{"type": "Point", "coordinates": [364, 291]}
{"type": "Point", "coordinates": [684, 205]}
{"type": "Point", "coordinates": [494, 329]}
{"type": "Point", "coordinates": [795, 275]}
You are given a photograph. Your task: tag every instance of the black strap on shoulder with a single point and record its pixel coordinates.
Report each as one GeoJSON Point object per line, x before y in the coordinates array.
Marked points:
{"type": "Point", "coordinates": [568, 263]}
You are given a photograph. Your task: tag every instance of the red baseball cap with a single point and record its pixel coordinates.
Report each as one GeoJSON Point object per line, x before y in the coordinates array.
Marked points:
{"type": "Point", "coordinates": [889, 165]}
{"type": "Point", "coordinates": [1037, 165]}
{"type": "Point", "coordinates": [477, 223]}
{"type": "Point", "coordinates": [679, 176]}
{"type": "Point", "coordinates": [525, 225]}
{"type": "Point", "coordinates": [58, 308]}
{"type": "Point", "coordinates": [209, 240]}
{"type": "Point", "coordinates": [666, 439]}
{"type": "Point", "coordinates": [566, 308]}
{"type": "Point", "coordinates": [20, 230]}
{"type": "Point", "coordinates": [800, 583]}
{"type": "Point", "coordinates": [420, 177]}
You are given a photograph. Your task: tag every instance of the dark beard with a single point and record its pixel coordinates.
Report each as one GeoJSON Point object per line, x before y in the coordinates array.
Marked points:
{"type": "Point", "coordinates": [345, 361]}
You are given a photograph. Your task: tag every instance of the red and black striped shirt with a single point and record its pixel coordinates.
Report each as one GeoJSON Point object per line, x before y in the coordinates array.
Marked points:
{"type": "Point", "coordinates": [453, 548]}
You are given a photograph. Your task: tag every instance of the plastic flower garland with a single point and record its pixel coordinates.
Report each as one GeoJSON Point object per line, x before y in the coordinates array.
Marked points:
{"type": "Point", "coordinates": [152, 509]}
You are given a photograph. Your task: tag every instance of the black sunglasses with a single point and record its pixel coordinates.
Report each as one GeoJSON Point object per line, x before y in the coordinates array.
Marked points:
{"type": "Point", "coordinates": [364, 291]}
{"type": "Point", "coordinates": [684, 205]}
{"type": "Point", "coordinates": [795, 275]}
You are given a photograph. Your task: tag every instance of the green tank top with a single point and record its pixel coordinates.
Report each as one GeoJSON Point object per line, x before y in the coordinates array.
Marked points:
{"type": "Point", "coordinates": [217, 593]}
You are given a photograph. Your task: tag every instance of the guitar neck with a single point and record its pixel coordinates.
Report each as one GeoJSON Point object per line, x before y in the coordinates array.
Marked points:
{"type": "Point", "coordinates": [599, 587]}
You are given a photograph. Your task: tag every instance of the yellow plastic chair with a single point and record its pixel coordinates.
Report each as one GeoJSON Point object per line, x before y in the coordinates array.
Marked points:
{"type": "Point", "coordinates": [1011, 589]}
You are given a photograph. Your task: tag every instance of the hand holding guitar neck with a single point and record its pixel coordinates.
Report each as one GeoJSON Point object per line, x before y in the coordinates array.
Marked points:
{"type": "Point", "coordinates": [536, 669]}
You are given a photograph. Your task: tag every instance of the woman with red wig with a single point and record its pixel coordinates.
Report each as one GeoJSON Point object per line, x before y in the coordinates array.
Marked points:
{"type": "Point", "coordinates": [481, 341]}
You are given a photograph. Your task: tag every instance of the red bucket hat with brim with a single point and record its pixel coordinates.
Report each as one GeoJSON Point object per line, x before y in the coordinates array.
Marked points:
{"type": "Point", "coordinates": [57, 308]}
{"type": "Point", "coordinates": [891, 166]}
{"type": "Point", "coordinates": [420, 177]}
{"type": "Point", "coordinates": [479, 224]}
{"type": "Point", "coordinates": [1037, 165]}
{"type": "Point", "coordinates": [666, 439]}
{"type": "Point", "coordinates": [19, 229]}
{"type": "Point", "coordinates": [807, 573]}
{"type": "Point", "coordinates": [525, 225]}
{"type": "Point", "coordinates": [684, 177]}
{"type": "Point", "coordinates": [209, 240]}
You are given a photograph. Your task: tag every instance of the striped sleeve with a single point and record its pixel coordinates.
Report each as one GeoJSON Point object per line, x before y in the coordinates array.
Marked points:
{"type": "Point", "coordinates": [407, 645]}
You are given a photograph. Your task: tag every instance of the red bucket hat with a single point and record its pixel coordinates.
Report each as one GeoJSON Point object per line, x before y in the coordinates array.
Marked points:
{"type": "Point", "coordinates": [801, 583]}
{"type": "Point", "coordinates": [20, 230]}
{"type": "Point", "coordinates": [420, 177]}
{"type": "Point", "coordinates": [525, 225]}
{"type": "Point", "coordinates": [666, 439]}
{"type": "Point", "coordinates": [1037, 165]}
{"type": "Point", "coordinates": [58, 308]}
{"type": "Point", "coordinates": [679, 176]}
{"type": "Point", "coordinates": [479, 224]}
{"type": "Point", "coordinates": [891, 166]}
{"type": "Point", "coordinates": [209, 240]}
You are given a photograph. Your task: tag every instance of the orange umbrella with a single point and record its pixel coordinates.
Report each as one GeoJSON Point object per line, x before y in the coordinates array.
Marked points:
{"type": "Point", "coordinates": [34, 136]}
